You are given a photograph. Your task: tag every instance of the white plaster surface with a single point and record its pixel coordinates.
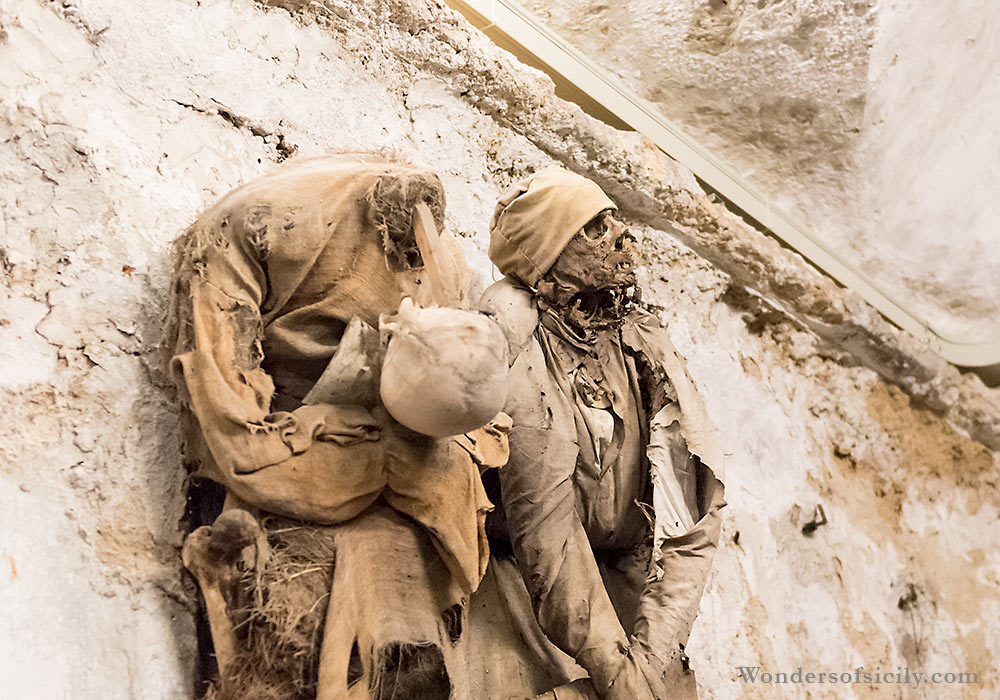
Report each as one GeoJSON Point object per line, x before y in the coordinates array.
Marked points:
{"type": "Point", "coordinates": [872, 123]}
{"type": "Point", "coordinates": [112, 140]}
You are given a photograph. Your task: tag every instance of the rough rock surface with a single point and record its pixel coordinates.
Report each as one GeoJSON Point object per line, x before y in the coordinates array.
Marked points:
{"type": "Point", "coordinates": [120, 122]}
{"type": "Point", "coordinates": [867, 121]}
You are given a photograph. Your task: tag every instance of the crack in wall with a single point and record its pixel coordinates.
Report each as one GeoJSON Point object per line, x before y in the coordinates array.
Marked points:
{"type": "Point", "coordinates": [274, 138]}
{"type": "Point", "coordinates": [72, 14]}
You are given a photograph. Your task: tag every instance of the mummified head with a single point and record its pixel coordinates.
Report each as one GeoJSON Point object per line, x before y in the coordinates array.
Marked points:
{"type": "Point", "coordinates": [556, 231]}
{"type": "Point", "coordinates": [593, 283]}
{"type": "Point", "coordinates": [391, 202]}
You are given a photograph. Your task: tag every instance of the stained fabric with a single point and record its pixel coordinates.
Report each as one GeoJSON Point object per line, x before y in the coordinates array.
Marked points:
{"type": "Point", "coordinates": [317, 621]}
{"type": "Point", "coordinates": [508, 655]}
{"type": "Point", "coordinates": [268, 280]}
{"type": "Point", "coordinates": [536, 218]}
{"type": "Point", "coordinates": [573, 557]}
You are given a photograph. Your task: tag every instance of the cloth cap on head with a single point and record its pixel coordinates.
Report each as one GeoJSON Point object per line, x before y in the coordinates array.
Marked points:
{"type": "Point", "coordinates": [537, 217]}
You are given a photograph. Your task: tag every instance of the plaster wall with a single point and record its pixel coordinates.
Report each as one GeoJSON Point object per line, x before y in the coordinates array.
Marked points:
{"type": "Point", "coordinates": [871, 123]}
{"type": "Point", "coordinates": [120, 122]}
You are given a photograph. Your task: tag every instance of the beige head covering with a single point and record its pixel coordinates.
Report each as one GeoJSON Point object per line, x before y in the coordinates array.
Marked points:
{"type": "Point", "coordinates": [537, 217]}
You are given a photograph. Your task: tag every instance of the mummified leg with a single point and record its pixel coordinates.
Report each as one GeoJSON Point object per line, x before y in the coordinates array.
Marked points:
{"type": "Point", "coordinates": [393, 616]}
{"type": "Point", "coordinates": [214, 554]}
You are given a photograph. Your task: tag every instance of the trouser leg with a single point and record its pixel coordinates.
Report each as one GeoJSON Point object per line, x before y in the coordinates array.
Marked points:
{"type": "Point", "coordinates": [393, 614]}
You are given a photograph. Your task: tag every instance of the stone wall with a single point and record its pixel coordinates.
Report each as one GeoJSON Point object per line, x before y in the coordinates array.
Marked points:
{"type": "Point", "coordinates": [120, 122]}
{"type": "Point", "coordinates": [868, 121]}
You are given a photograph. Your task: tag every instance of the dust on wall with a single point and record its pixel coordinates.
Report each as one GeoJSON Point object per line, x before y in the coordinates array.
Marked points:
{"type": "Point", "coordinates": [121, 122]}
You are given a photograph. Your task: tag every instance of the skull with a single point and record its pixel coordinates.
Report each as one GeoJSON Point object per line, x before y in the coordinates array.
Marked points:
{"type": "Point", "coordinates": [592, 283]}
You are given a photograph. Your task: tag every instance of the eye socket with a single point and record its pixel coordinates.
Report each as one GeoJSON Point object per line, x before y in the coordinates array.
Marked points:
{"type": "Point", "coordinates": [596, 228]}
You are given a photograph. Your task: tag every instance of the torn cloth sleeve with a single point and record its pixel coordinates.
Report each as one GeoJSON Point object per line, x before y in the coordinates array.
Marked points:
{"type": "Point", "coordinates": [671, 597]}
{"type": "Point", "coordinates": [229, 394]}
{"type": "Point", "coordinates": [684, 441]}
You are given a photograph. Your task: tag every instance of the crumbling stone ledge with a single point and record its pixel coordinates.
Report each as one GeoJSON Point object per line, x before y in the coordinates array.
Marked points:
{"type": "Point", "coordinates": [650, 187]}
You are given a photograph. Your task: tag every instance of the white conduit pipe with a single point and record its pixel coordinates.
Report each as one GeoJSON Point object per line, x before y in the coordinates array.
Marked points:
{"type": "Point", "coordinates": [526, 32]}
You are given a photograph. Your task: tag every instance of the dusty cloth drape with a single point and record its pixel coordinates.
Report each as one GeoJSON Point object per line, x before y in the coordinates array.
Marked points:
{"type": "Point", "coordinates": [267, 281]}
{"type": "Point", "coordinates": [564, 509]}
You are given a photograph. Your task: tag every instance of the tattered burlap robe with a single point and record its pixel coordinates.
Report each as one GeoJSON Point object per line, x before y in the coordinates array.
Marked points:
{"type": "Point", "coordinates": [569, 518]}
{"type": "Point", "coordinates": [267, 281]}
